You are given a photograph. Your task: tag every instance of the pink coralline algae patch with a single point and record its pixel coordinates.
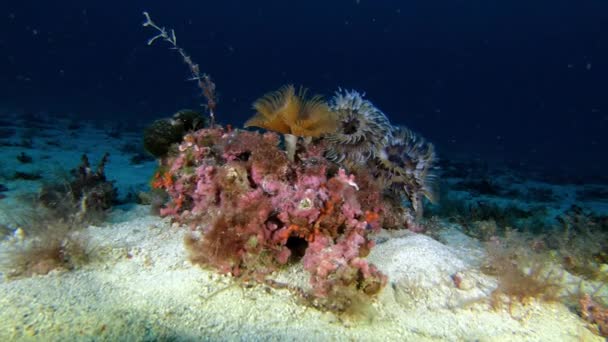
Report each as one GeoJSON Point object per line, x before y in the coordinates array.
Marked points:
{"type": "Point", "coordinates": [251, 210]}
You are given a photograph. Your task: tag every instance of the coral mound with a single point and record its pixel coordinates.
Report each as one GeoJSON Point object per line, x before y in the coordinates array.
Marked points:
{"type": "Point", "coordinates": [252, 210]}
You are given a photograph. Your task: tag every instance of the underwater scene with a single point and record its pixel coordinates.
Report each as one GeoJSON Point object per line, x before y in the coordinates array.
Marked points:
{"type": "Point", "coordinates": [347, 170]}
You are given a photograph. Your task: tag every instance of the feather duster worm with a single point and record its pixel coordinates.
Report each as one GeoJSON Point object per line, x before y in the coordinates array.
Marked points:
{"type": "Point", "coordinates": [294, 115]}
{"type": "Point", "coordinates": [363, 130]}
{"type": "Point", "coordinates": [406, 166]}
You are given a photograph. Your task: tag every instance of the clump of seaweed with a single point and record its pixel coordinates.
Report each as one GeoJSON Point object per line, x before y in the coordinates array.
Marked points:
{"type": "Point", "coordinates": [40, 242]}
{"type": "Point", "coordinates": [523, 273]}
{"type": "Point", "coordinates": [542, 267]}
{"type": "Point", "coordinates": [46, 235]}
{"type": "Point", "coordinates": [581, 242]}
{"type": "Point", "coordinates": [85, 197]}
{"type": "Point", "coordinates": [483, 230]}
{"type": "Point", "coordinates": [594, 313]}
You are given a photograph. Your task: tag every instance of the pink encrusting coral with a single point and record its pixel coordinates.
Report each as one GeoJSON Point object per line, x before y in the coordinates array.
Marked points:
{"type": "Point", "coordinates": [251, 210]}
{"type": "Point", "coordinates": [340, 260]}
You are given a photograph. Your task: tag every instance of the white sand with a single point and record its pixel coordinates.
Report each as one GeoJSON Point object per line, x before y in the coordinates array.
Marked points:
{"type": "Point", "coordinates": [140, 287]}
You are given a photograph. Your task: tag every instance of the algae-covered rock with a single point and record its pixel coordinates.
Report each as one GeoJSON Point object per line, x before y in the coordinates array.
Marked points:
{"type": "Point", "coordinates": [162, 133]}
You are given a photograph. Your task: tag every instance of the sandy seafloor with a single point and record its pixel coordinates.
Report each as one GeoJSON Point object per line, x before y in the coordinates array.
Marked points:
{"type": "Point", "coordinates": [140, 285]}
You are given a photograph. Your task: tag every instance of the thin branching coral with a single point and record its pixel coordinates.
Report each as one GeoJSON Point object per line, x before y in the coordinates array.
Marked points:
{"type": "Point", "coordinates": [294, 115]}
{"type": "Point", "coordinates": [363, 130]}
{"type": "Point", "coordinates": [406, 166]}
{"type": "Point", "coordinates": [206, 85]}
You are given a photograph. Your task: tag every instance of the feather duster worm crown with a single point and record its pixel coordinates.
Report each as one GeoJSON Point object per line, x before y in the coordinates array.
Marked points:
{"type": "Point", "coordinates": [407, 165]}
{"type": "Point", "coordinates": [362, 129]}
{"type": "Point", "coordinates": [286, 112]}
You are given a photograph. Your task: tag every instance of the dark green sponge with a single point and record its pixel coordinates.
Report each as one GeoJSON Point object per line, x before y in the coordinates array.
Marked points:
{"type": "Point", "coordinates": [162, 133]}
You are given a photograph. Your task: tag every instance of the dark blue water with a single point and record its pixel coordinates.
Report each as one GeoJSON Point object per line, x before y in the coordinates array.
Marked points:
{"type": "Point", "coordinates": [517, 81]}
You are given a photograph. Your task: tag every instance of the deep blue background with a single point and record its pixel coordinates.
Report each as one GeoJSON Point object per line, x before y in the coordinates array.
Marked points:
{"type": "Point", "coordinates": [524, 81]}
